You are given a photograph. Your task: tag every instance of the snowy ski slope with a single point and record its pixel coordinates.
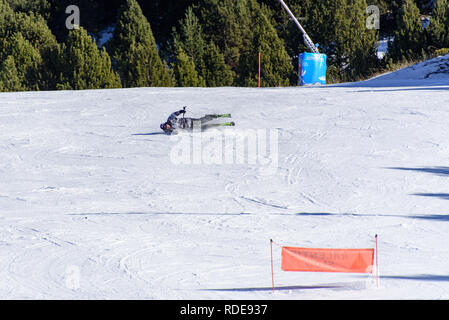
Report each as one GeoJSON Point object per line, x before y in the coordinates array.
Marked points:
{"type": "Point", "coordinates": [93, 205]}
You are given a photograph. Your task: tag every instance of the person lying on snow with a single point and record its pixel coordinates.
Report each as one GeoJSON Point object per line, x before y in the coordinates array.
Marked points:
{"type": "Point", "coordinates": [175, 122]}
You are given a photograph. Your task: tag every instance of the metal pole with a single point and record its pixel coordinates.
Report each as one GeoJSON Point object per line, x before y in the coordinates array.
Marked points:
{"type": "Point", "coordinates": [377, 263]}
{"type": "Point", "coordinates": [307, 39]}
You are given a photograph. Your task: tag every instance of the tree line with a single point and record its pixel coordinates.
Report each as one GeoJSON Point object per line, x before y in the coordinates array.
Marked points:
{"type": "Point", "coordinates": [205, 43]}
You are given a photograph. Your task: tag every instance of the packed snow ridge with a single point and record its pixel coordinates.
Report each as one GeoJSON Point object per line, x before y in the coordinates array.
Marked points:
{"type": "Point", "coordinates": [437, 68]}
{"type": "Point", "coordinates": [435, 71]}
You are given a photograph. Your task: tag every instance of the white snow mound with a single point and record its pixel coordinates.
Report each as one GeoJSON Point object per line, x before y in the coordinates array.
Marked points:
{"type": "Point", "coordinates": [432, 72]}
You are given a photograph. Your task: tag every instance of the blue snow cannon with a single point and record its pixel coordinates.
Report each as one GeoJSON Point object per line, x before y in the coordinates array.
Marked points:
{"type": "Point", "coordinates": [312, 68]}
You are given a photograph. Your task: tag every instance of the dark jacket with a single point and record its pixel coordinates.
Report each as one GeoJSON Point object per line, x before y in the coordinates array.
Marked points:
{"type": "Point", "coordinates": [180, 123]}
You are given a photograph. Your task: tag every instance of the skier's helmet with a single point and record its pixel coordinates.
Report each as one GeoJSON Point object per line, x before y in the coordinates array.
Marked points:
{"type": "Point", "coordinates": [166, 127]}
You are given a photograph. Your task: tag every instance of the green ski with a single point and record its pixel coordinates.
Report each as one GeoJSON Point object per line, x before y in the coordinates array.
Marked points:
{"type": "Point", "coordinates": [216, 116]}
{"type": "Point", "coordinates": [216, 125]}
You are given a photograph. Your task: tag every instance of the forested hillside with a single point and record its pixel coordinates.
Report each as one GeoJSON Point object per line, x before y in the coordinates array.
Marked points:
{"type": "Point", "coordinates": [130, 43]}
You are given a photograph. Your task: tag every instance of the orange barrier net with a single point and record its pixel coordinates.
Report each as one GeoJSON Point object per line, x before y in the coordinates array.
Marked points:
{"type": "Point", "coordinates": [327, 260]}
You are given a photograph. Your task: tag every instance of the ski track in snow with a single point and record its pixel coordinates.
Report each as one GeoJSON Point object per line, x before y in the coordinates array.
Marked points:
{"type": "Point", "coordinates": [92, 206]}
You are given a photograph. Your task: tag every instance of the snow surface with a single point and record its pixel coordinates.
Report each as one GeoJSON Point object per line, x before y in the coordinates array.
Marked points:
{"type": "Point", "coordinates": [93, 206]}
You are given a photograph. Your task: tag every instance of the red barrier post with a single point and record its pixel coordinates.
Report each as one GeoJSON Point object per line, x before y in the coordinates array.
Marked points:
{"type": "Point", "coordinates": [377, 262]}
{"type": "Point", "coordinates": [272, 269]}
{"type": "Point", "coordinates": [259, 67]}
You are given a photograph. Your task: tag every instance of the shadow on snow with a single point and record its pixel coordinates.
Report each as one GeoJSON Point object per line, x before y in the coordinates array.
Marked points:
{"type": "Point", "coordinates": [283, 288]}
{"type": "Point", "coordinates": [149, 134]}
{"type": "Point", "coordinates": [440, 217]}
{"type": "Point", "coordinates": [439, 171]}
{"type": "Point", "coordinates": [421, 277]}
{"type": "Point", "coordinates": [436, 217]}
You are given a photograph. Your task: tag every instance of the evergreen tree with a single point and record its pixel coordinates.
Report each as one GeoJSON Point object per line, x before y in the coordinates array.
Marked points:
{"type": "Point", "coordinates": [355, 44]}
{"type": "Point", "coordinates": [228, 24]}
{"type": "Point", "coordinates": [276, 64]}
{"type": "Point", "coordinates": [240, 28]}
{"type": "Point", "coordinates": [41, 7]}
{"type": "Point", "coordinates": [163, 17]}
{"type": "Point", "coordinates": [6, 16]}
{"type": "Point", "coordinates": [218, 73]}
{"type": "Point", "coordinates": [28, 61]}
{"type": "Point", "coordinates": [321, 19]}
{"type": "Point", "coordinates": [438, 30]}
{"type": "Point", "coordinates": [135, 52]}
{"type": "Point", "coordinates": [409, 38]}
{"type": "Point", "coordinates": [86, 67]}
{"type": "Point", "coordinates": [185, 72]}
{"type": "Point", "coordinates": [9, 77]}
{"type": "Point", "coordinates": [191, 39]}
{"type": "Point", "coordinates": [26, 58]}
{"type": "Point", "coordinates": [207, 58]}
{"type": "Point", "coordinates": [34, 30]}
